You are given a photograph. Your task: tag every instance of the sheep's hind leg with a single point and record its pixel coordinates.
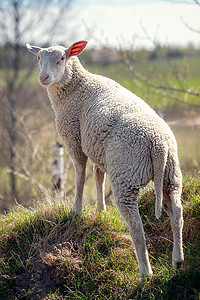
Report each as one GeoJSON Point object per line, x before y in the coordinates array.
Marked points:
{"type": "Point", "coordinates": [79, 186]}
{"type": "Point", "coordinates": [173, 207]}
{"type": "Point", "coordinates": [128, 208]}
{"type": "Point", "coordinates": [99, 178]}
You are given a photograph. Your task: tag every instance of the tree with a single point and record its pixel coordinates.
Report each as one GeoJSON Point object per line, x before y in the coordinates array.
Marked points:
{"type": "Point", "coordinates": [22, 21]}
{"type": "Point", "coordinates": [175, 86]}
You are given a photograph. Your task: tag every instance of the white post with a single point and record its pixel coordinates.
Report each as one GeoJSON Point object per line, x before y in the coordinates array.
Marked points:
{"type": "Point", "coordinates": [58, 169]}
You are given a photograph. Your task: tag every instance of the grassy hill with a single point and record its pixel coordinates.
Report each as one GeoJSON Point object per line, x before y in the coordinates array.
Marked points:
{"type": "Point", "coordinates": [47, 253]}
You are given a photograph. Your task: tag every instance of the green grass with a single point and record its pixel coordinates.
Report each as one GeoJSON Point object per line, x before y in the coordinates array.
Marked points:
{"type": "Point", "coordinates": [48, 253]}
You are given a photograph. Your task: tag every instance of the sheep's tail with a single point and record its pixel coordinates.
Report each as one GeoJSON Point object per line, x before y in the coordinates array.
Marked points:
{"type": "Point", "coordinates": [159, 164]}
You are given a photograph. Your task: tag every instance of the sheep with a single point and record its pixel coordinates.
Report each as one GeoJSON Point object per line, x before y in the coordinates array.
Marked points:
{"type": "Point", "coordinates": [122, 135]}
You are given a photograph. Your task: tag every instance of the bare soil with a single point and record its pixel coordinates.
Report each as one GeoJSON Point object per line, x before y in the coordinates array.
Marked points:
{"type": "Point", "coordinates": [43, 276]}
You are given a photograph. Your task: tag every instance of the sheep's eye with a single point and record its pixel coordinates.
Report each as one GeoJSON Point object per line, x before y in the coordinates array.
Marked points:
{"type": "Point", "coordinates": [62, 58]}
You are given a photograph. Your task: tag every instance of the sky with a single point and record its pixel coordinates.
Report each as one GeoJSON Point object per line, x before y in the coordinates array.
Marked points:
{"type": "Point", "coordinates": [134, 23]}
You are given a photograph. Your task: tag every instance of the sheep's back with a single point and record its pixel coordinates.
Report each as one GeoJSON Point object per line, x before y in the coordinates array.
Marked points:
{"type": "Point", "coordinates": [113, 117]}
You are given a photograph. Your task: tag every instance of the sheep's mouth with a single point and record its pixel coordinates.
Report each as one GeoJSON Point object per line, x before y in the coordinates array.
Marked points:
{"type": "Point", "coordinates": [45, 84]}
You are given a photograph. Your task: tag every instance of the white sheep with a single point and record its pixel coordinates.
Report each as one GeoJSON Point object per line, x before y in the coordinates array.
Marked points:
{"type": "Point", "coordinates": [122, 135]}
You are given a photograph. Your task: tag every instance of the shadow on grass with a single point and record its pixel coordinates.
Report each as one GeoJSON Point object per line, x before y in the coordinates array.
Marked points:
{"type": "Point", "coordinates": [181, 285]}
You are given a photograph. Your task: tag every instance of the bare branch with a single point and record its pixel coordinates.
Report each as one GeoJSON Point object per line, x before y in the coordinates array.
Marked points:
{"type": "Point", "coordinates": [190, 27]}
{"type": "Point", "coordinates": [154, 40]}
{"type": "Point", "coordinates": [29, 176]}
{"type": "Point", "coordinates": [189, 2]}
{"type": "Point", "coordinates": [29, 138]}
{"type": "Point", "coordinates": [20, 21]}
{"type": "Point", "coordinates": [197, 2]}
{"type": "Point", "coordinates": [143, 79]}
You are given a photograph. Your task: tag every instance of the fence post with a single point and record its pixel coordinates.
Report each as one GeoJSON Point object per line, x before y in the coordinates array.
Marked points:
{"type": "Point", "coordinates": [58, 169]}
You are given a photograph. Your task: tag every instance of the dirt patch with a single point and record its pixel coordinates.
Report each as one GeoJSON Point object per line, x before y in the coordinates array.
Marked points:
{"type": "Point", "coordinates": [44, 276]}
{"type": "Point", "coordinates": [37, 282]}
{"type": "Point", "coordinates": [64, 260]}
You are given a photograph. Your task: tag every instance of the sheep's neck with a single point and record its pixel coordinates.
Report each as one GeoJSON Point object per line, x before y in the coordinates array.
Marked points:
{"type": "Point", "coordinates": [69, 88]}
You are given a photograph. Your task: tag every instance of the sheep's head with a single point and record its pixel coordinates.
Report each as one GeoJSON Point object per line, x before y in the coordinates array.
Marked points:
{"type": "Point", "coordinates": [52, 61]}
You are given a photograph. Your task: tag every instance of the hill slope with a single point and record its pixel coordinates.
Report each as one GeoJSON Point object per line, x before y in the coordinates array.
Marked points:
{"type": "Point", "coordinates": [47, 253]}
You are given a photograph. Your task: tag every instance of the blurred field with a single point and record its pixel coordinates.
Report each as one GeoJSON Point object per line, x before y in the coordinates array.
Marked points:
{"type": "Point", "coordinates": [179, 73]}
{"type": "Point", "coordinates": [188, 139]}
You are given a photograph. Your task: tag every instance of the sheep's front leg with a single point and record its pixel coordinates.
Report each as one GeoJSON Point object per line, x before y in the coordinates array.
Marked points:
{"type": "Point", "coordinates": [99, 178]}
{"type": "Point", "coordinates": [79, 186]}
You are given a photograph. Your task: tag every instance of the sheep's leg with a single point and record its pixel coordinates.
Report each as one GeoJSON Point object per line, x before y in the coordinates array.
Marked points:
{"type": "Point", "coordinates": [128, 208]}
{"type": "Point", "coordinates": [177, 227]}
{"type": "Point", "coordinates": [99, 178]}
{"type": "Point", "coordinates": [79, 186]}
{"type": "Point", "coordinates": [173, 207]}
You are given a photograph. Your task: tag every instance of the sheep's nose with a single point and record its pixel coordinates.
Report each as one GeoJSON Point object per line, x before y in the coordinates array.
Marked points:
{"type": "Point", "coordinates": [44, 78]}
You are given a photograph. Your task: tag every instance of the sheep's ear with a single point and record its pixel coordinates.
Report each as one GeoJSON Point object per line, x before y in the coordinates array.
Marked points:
{"type": "Point", "coordinates": [33, 49]}
{"type": "Point", "coordinates": [76, 48]}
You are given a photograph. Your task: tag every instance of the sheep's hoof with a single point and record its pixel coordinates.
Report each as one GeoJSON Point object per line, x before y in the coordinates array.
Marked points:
{"type": "Point", "coordinates": [77, 210]}
{"type": "Point", "coordinates": [76, 214]}
{"type": "Point", "coordinates": [177, 264]}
